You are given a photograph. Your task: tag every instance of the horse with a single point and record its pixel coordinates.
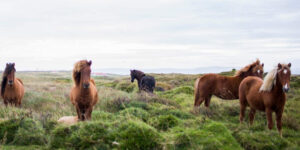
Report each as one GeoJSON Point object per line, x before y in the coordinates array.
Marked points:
{"type": "Point", "coordinates": [12, 88]}
{"type": "Point", "coordinates": [224, 87]}
{"type": "Point", "coordinates": [84, 94]}
{"type": "Point", "coordinates": [266, 95]}
{"type": "Point", "coordinates": [145, 82]}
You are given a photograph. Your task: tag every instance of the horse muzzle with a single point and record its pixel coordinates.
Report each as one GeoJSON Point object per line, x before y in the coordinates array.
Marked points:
{"type": "Point", "coordinates": [286, 88]}
{"type": "Point", "coordinates": [86, 85]}
{"type": "Point", "coordinates": [10, 82]}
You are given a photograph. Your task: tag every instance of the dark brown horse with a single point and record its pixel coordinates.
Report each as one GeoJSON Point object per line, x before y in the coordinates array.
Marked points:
{"type": "Point", "coordinates": [145, 82]}
{"type": "Point", "coordinates": [266, 95]}
{"type": "Point", "coordinates": [12, 89]}
{"type": "Point", "coordinates": [84, 93]}
{"type": "Point", "coordinates": [222, 86]}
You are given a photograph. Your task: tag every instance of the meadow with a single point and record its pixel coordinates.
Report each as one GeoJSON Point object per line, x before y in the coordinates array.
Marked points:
{"type": "Point", "coordinates": [123, 118]}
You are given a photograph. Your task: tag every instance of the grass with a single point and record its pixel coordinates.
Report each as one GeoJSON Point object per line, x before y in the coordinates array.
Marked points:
{"type": "Point", "coordinates": [127, 119]}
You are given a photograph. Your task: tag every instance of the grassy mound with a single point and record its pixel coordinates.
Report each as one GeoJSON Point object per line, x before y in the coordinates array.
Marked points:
{"type": "Point", "coordinates": [138, 135]}
{"type": "Point", "coordinates": [212, 136]}
{"type": "Point", "coordinates": [22, 132]}
{"type": "Point", "coordinates": [164, 122]}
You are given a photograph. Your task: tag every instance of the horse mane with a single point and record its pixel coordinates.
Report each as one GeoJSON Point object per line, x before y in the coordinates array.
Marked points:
{"type": "Point", "coordinates": [77, 70]}
{"type": "Point", "coordinates": [139, 73]}
{"type": "Point", "coordinates": [269, 81]}
{"type": "Point", "coordinates": [9, 67]}
{"type": "Point", "coordinates": [247, 68]}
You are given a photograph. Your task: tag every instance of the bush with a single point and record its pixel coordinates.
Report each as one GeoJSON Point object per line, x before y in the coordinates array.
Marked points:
{"type": "Point", "coordinates": [125, 86]}
{"type": "Point", "coordinates": [30, 133]}
{"type": "Point", "coordinates": [59, 137]}
{"type": "Point", "coordinates": [136, 112]}
{"type": "Point", "coordinates": [95, 135]}
{"type": "Point", "coordinates": [8, 129]}
{"type": "Point", "coordinates": [169, 111]}
{"type": "Point", "coordinates": [22, 132]}
{"type": "Point", "coordinates": [138, 135]}
{"type": "Point", "coordinates": [161, 86]}
{"type": "Point", "coordinates": [164, 122]}
{"type": "Point", "coordinates": [212, 136]}
{"type": "Point", "coordinates": [267, 140]}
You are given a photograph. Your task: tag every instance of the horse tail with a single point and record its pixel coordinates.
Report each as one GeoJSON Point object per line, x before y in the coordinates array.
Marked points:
{"type": "Point", "coordinates": [196, 90]}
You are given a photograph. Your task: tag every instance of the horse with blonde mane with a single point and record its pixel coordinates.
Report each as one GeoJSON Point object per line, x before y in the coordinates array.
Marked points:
{"type": "Point", "coordinates": [12, 88]}
{"type": "Point", "coordinates": [84, 93]}
{"type": "Point", "coordinates": [266, 95]}
{"type": "Point", "coordinates": [224, 87]}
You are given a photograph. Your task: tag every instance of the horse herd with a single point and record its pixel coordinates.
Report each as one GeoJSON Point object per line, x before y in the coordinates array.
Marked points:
{"type": "Point", "coordinates": [246, 85]}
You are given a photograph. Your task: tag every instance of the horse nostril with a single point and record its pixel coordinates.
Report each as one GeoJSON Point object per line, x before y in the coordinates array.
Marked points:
{"type": "Point", "coordinates": [86, 85]}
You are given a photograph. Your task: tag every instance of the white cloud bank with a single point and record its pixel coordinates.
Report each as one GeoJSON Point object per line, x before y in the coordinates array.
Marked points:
{"type": "Point", "coordinates": [52, 35]}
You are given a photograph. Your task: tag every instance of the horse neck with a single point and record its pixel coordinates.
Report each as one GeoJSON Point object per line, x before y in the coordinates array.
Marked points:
{"type": "Point", "coordinates": [237, 80]}
{"type": "Point", "coordinates": [278, 86]}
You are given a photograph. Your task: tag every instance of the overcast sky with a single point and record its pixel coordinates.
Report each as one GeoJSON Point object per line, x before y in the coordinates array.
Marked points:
{"type": "Point", "coordinates": [53, 34]}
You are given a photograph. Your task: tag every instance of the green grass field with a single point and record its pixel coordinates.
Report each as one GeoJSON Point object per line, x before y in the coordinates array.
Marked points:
{"type": "Point", "coordinates": [126, 119]}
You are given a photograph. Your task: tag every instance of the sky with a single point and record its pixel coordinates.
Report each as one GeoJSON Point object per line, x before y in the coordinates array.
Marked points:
{"type": "Point", "coordinates": [185, 34]}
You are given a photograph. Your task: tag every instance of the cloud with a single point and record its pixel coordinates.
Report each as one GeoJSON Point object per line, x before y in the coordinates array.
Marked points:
{"type": "Point", "coordinates": [148, 34]}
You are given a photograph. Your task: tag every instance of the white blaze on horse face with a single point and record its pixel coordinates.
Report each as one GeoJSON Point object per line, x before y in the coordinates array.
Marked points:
{"type": "Point", "coordinates": [258, 71]}
{"type": "Point", "coordinates": [285, 71]}
{"type": "Point", "coordinates": [286, 86]}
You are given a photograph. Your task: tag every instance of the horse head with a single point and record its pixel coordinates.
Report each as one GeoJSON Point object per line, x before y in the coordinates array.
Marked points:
{"type": "Point", "coordinates": [284, 76]}
{"type": "Point", "coordinates": [10, 73]}
{"type": "Point", "coordinates": [85, 75]}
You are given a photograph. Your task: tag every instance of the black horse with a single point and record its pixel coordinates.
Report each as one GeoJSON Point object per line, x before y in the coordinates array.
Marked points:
{"type": "Point", "coordinates": [145, 82]}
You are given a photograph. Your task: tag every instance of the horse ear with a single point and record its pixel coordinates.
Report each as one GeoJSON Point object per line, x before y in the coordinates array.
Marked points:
{"type": "Point", "coordinates": [279, 66]}
{"type": "Point", "coordinates": [290, 65]}
{"type": "Point", "coordinates": [13, 64]}
{"type": "Point", "coordinates": [90, 62]}
{"type": "Point", "coordinates": [262, 64]}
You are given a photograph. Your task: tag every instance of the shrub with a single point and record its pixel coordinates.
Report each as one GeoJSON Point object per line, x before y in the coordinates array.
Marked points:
{"type": "Point", "coordinates": [30, 133]}
{"type": "Point", "coordinates": [94, 135]}
{"type": "Point", "coordinates": [169, 111]}
{"type": "Point", "coordinates": [137, 112]}
{"type": "Point", "coordinates": [59, 137]}
{"type": "Point", "coordinates": [138, 135]}
{"type": "Point", "coordinates": [161, 86]}
{"type": "Point", "coordinates": [8, 129]}
{"type": "Point", "coordinates": [267, 140]}
{"type": "Point", "coordinates": [212, 136]}
{"type": "Point", "coordinates": [164, 122]}
{"type": "Point", "coordinates": [125, 86]}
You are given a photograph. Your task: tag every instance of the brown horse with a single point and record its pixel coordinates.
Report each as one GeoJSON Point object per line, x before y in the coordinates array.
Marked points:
{"type": "Point", "coordinates": [12, 89]}
{"type": "Point", "coordinates": [266, 95]}
{"type": "Point", "coordinates": [84, 93]}
{"type": "Point", "coordinates": [222, 86]}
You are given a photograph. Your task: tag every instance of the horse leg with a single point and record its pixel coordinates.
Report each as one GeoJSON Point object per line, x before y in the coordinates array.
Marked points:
{"type": "Point", "coordinates": [269, 118]}
{"type": "Point", "coordinates": [252, 115]}
{"type": "Point", "coordinates": [242, 112]}
{"type": "Point", "coordinates": [5, 103]}
{"type": "Point", "coordinates": [278, 121]}
{"type": "Point", "coordinates": [89, 113]}
{"type": "Point", "coordinates": [207, 101]}
{"type": "Point", "coordinates": [78, 113]}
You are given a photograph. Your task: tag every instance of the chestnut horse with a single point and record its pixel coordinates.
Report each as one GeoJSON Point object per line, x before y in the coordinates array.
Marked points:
{"type": "Point", "coordinates": [84, 93]}
{"type": "Point", "coordinates": [222, 86]}
{"type": "Point", "coordinates": [266, 95]}
{"type": "Point", "coordinates": [12, 89]}
{"type": "Point", "coordinates": [145, 82]}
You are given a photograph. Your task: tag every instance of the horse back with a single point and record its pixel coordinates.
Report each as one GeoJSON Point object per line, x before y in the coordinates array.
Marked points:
{"type": "Point", "coordinates": [20, 81]}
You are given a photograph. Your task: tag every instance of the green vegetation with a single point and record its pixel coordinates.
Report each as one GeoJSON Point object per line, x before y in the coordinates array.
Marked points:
{"type": "Point", "coordinates": [127, 119]}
